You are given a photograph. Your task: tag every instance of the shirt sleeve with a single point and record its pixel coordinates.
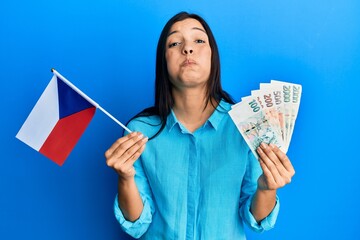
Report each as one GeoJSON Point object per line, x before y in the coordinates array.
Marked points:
{"type": "Point", "coordinates": [137, 228]}
{"type": "Point", "coordinates": [249, 186]}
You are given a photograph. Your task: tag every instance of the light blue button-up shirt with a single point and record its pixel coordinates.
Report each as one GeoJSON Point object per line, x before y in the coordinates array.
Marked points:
{"type": "Point", "coordinates": [195, 185]}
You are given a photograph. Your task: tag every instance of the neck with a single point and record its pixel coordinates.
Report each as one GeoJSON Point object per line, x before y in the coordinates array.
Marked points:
{"type": "Point", "coordinates": [192, 108]}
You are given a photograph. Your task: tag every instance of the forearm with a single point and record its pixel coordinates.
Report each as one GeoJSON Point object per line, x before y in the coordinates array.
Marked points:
{"type": "Point", "coordinates": [263, 203]}
{"type": "Point", "coordinates": [129, 199]}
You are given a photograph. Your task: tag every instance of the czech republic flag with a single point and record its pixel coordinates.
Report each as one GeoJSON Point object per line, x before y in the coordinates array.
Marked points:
{"type": "Point", "coordinates": [57, 121]}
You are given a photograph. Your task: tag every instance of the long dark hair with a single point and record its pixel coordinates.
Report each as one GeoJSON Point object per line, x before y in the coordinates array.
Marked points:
{"type": "Point", "coordinates": [163, 95]}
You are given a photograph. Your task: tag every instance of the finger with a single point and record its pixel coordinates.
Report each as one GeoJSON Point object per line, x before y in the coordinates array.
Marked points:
{"type": "Point", "coordinates": [126, 168]}
{"type": "Point", "coordinates": [125, 150]}
{"type": "Point", "coordinates": [273, 169]}
{"type": "Point", "coordinates": [285, 161]}
{"type": "Point", "coordinates": [127, 144]}
{"type": "Point", "coordinates": [267, 173]}
{"type": "Point", "coordinates": [133, 153]}
{"type": "Point", "coordinates": [110, 151]}
{"type": "Point", "coordinates": [129, 163]}
{"type": "Point", "coordinates": [270, 157]}
{"type": "Point", "coordinates": [284, 176]}
{"type": "Point", "coordinates": [273, 152]}
{"type": "Point", "coordinates": [268, 150]}
{"type": "Point", "coordinates": [277, 156]}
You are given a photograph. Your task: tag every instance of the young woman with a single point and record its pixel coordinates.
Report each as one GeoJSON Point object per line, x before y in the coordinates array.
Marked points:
{"type": "Point", "coordinates": [197, 178]}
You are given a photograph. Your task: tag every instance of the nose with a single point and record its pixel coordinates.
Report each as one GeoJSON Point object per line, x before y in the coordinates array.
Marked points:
{"type": "Point", "coordinates": [187, 49]}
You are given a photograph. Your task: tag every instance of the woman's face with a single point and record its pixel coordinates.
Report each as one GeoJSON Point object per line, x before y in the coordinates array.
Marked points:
{"type": "Point", "coordinates": [188, 54]}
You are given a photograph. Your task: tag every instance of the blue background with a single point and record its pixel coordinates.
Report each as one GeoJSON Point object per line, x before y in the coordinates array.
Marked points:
{"type": "Point", "coordinates": [107, 49]}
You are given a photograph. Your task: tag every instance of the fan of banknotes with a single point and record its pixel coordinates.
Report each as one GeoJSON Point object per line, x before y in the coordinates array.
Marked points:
{"type": "Point", "coordinates": [268, 114]}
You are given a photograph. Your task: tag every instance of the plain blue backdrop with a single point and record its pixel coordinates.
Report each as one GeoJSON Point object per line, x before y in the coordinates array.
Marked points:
{"type": "Point", "coordinates": [107, 48]}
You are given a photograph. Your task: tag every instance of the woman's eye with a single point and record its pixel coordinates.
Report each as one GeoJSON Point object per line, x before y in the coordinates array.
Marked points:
{"type": "Point", "coordinates": [199, 41]}
{"type": "Point", "coordinates": [174, 44]}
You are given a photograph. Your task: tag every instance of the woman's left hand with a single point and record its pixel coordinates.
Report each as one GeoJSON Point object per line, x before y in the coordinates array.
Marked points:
{"type": "Point", "coordinates": [276, 166]}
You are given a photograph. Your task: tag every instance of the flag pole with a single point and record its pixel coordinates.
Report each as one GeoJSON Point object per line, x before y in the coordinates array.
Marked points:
{"type": "Point", "coordinates": [89, 99]}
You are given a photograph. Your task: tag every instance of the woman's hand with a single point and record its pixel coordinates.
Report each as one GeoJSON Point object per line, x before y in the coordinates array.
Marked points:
{"type": "Point", "coordinates": [122, 155]}
{"type": "Point", "coordinates": [276, 166]}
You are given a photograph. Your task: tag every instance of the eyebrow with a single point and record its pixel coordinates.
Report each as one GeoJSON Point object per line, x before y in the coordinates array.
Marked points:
{"type": "Point", "coordinates": [194, 28]}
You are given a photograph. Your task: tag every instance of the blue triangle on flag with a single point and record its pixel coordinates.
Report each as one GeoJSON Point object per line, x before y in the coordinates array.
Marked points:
{"type": "Point", "coordinates": [70, 101]}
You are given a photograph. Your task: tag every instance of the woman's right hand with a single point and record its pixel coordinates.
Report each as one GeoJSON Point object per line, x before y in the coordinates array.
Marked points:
{"type": "Point", "coordinates": [122, 155]}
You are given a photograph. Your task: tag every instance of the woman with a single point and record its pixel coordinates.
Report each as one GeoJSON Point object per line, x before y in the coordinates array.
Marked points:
{"type": "Point", "coordinates": [197, 178]}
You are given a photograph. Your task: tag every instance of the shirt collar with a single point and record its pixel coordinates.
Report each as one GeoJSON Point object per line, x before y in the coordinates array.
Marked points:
{"type": "Point", "coordinates": [171, 120]}
{"type": "Point", "coordinates": [219, 113]}
{"type": "Point", "coordinates": [214, 119]}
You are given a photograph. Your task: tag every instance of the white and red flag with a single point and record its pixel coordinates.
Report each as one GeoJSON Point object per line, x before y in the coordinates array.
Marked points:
{"type": "Point", "coordinates": [58, 119]}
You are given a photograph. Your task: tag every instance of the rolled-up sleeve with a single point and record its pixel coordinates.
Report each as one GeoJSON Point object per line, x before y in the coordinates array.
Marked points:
{"type": "Point", "coordinates": [138, 228]}
{"type": "Point", "coordinates": [265, 224]}
{"type": "Point", "coordinates": [249, 186]}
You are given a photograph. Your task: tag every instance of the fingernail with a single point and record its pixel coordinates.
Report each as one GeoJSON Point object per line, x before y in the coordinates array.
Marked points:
{"type": "Point", "coordinates": [259, 150]}
{"type": "Point", "coordinates": [263, 145]}
{"type": "Point", "coordinates": [140, 136]}
{"type": "Point", "coordinates": [145, 139]}
{"type": "Point", "coordinates": [272, 145]}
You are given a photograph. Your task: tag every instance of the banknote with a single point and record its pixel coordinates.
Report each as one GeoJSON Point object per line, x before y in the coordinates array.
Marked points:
{"type": "Point", "coordinates": [291, 97]}
{"type": "Point", "coordinates": [254, 126]}
{"type": "Point", "coordinates": [275, 92]}
{"type": "Point", "coordinates": [295, 102]}
{"type": "Point", "coordinates": [268, 114]}
{"type": "Point", "coordinates": [267, 103]}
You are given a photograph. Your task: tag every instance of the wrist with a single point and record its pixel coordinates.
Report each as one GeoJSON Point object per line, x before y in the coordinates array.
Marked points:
{"type": "Point", "coordinates": [267, 192]}
{"type": "Point", "coordinates": [126, 182]}
{"type": "Point", "coordinates": [268, 196]}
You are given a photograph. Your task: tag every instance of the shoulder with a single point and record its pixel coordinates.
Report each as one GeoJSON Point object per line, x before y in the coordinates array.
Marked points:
{"type": "Point", "coordinates": [224, 106]}
{"type": "Point", "coordinates": [147, 125]}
